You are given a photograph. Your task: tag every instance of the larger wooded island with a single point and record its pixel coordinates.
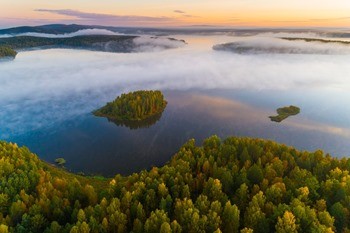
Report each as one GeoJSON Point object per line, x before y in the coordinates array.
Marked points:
{"type": "Point", "coordinates": [134, 106]}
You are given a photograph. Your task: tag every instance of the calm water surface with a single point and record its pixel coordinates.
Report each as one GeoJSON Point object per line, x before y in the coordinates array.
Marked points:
{"type": "Point", "coordinates": [46, 99]}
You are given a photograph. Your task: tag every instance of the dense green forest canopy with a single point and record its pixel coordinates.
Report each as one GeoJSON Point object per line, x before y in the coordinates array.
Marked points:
{"type": "Point", "coordinates": [134, 106]}
{"type": "Point", "coordinates": [285, 112]}
{"type": "Point", "coordinates": [7, 52]}
{"type": "Point", "coordinates": [231, 185]}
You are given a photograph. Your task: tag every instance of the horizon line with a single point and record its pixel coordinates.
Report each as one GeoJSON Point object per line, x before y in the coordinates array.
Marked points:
{"type": "Point", "coordinates": [204, 26]}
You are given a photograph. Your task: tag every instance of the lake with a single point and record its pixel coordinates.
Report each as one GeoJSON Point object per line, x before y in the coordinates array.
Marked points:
{"type": "Point", "coordinates": [47, 96]}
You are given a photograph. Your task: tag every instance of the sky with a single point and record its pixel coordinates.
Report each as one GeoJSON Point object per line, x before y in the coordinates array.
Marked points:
{"type": "Point", "coordinates": [170, 13]}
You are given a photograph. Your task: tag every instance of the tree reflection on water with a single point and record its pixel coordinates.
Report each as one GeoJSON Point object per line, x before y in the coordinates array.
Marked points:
{"type": "Point", "coordinates": [146, 123]}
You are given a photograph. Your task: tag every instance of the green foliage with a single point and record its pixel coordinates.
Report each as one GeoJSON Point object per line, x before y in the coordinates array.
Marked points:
{"type": "Point", "coordinates": [60, 161]}
{"type": "Point", "coordinates": [6, 51]}
{"type": "Point", "coordinates": [284, 113]}
{"type": "Point", "coordinates": [87, 42]}
{"type": "Point", "coordinates": [255, 174]}
{"type": "Point", "coordinates": [134, 106]}
{"type": "Point", "coordinates": [202, 189]}
{"type": "Point", "coordinates": [230, 218]}
{"type": "Point", "coordinates": [286, 224]}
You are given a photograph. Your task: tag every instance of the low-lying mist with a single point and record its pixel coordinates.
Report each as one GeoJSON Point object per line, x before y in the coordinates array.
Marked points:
{"type": "Point", "coordinates": [82, 32]}
{"type": "Point", "coordinates": [141, 43]}
{"type": "Point", "coordinates": [266, 45]}
{"type": "Point", "coordinates": [43, 87]}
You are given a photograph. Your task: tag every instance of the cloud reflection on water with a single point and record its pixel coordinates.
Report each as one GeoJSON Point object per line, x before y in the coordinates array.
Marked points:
{"type": "Point", "coordinates": [43, 88]}
{"type": "Point", "coordinates": [223, 109]}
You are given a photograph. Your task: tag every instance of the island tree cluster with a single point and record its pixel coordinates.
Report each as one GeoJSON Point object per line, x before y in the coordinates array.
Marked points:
{"type": "Point", "coordinates": [235, 185]}
{"type": "Point", "coordinates": [134, 106]}
{"type": "Point", "coordinates": [285, 112]}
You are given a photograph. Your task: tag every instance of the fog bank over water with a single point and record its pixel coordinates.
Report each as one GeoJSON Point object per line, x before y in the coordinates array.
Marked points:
{"type": "Point", "coordinates": [82, 32]}
{"type": "Point", "coordinates": [47, 73]}
{"type": "Point", "coordinates": [54, 85]}
{"type": "Point", "coordinates": [268, 45]}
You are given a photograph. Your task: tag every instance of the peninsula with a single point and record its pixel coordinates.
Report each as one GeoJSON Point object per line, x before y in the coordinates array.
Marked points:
{"type": "Point", "coordinates": [7, 52]}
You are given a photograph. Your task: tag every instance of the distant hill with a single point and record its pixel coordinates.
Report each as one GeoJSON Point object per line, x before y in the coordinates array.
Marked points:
{"type": "Point", "coordinates": [49, 29]}
{"type": "Point", "coordinates": [70, 28]}
{"type": "Point", "coordinates": [195, 29]}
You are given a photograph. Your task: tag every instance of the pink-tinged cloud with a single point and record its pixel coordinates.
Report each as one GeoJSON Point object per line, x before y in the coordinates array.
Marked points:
{"type": "Point", "coordinates": [179, 12]}
{"type": "Point", "coordinates": [102, 18]}
{"type": "Point", "coordinates": [184, 14]}
{"type": "Point", "coordinates": [330, 19]}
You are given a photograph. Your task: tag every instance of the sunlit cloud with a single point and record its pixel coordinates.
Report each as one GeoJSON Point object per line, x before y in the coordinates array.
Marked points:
{"type": "Point", "coordinates": [189, 16]}
{"type": "Point", "coordinates": [184, 14]}
{"type": "Point", "coordinates": [179, 11]}
{"type": "Point", "coordinates": [221, 108]}
{"type": "Point", "coordinates": [103, 18]}
{"type": "Point", "coordinates": [319, 127]}
{"type": "Point", "coordinates": [234, 19]}
{"type": "Point", "coordinates": [330, 19]}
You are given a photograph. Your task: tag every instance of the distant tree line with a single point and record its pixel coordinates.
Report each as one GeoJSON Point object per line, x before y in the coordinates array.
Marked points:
{"type": "Point", "coordinates": [96, 42]}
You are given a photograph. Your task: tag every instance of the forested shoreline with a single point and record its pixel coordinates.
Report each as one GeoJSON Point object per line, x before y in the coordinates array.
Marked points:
{"type": "Point", "coordinates": [109, 43]}
{"type": "Point", "coordinates": [231, 185]}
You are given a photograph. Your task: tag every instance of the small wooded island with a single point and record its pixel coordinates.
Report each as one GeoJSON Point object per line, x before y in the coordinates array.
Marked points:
{"type": "Point", "coordinates": [7, 52]}
{"type": "Point", "coordinates": [60, 161]}
{"type": "Point", "coordinates": [134, 106]}
{"type": "Point", "coordinates": [284, 113]}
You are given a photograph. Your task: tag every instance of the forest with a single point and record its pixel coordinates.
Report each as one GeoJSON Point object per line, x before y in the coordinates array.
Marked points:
{"type": "Point", "coordinates": [93, 42]}
{"type": "Point", "coordinates": [231, 185]}
{"type": "Point", "coordinates": [7, 52]}
{"type": "Point", "coordinates": [134, 106]}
